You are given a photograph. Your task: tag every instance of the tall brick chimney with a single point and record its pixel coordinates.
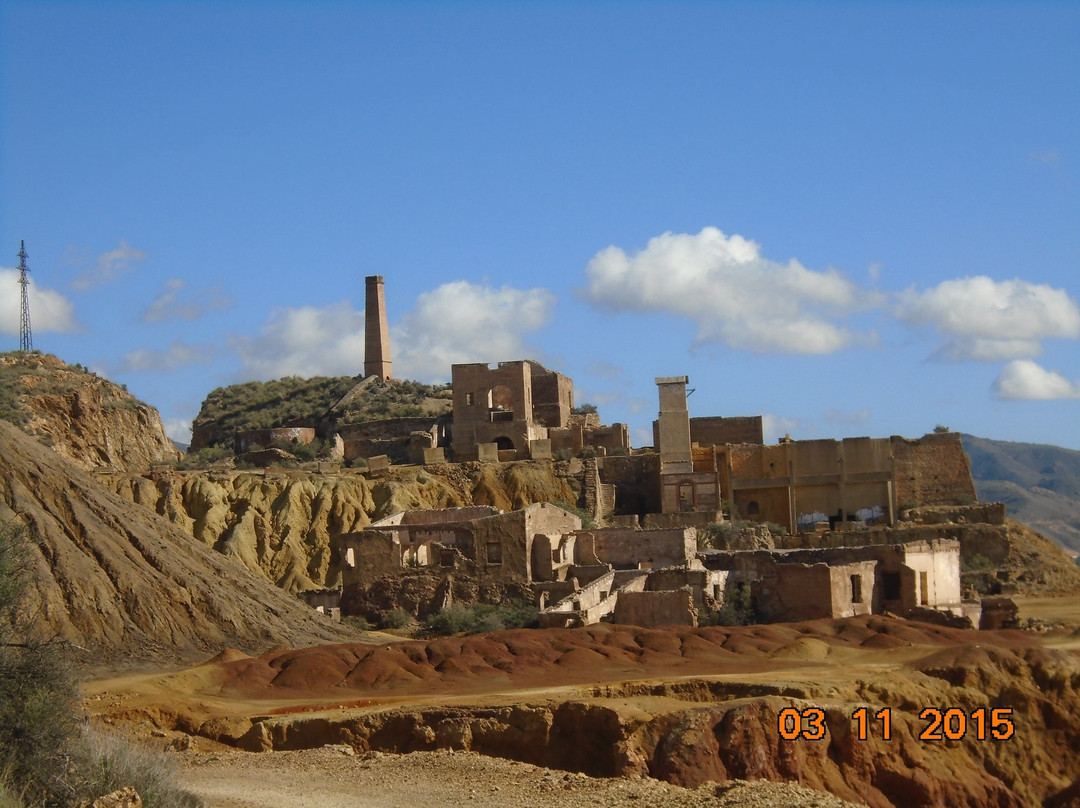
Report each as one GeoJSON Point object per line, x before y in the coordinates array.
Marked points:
{"type": "Point", "coordinates": [376, 332]}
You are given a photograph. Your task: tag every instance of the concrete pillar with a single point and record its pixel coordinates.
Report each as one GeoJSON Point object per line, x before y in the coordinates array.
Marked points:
{"type": "Point", "coordinates": [376, 331]}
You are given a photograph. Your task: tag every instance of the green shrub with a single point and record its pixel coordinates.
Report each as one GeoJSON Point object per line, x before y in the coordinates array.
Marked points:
{"type": "Point", "coordinates": [976, 562]}
{"type": "Point", "coordinates": [203, 458]}
{"type": "Point", "coordinates": [37, 686]}
{"type": "Point", "coordinates": [737, 610]}
{"type": "Point", "coordinates": [479, 618]}
{"type": "Point", "coordinates": [396, 618]}
{"type": "Point", "coordinates": [587, 521]}
{"type": "Point", "coordinates": [357, 622]}
{"type": "Point", "coordinates": [105, 762]}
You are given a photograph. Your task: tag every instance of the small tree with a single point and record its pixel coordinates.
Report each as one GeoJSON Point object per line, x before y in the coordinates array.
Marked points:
{"type": "Point", "coordinates": [37, 685]}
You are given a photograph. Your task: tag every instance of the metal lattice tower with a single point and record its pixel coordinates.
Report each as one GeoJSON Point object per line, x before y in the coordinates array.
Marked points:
{"type": "Point", "coordinates": [26, 336]}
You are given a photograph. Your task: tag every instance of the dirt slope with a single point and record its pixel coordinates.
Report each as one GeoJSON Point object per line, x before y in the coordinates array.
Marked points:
{"type": "Point", "coordinates": [684, 705]}
{"type": "Point", "coordinates": [126, 584]}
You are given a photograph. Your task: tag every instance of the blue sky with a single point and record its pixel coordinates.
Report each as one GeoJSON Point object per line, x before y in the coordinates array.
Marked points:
{"type": "Point", "coordinates": [851, 218]}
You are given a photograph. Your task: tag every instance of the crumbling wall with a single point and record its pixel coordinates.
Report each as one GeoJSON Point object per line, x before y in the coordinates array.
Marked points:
{"type": "Point", "coordinates": [989, 513]}
{"type": "Point", "coordinates": [718, 431]}
{"type": "Point", "coordinates": [937, 573]}
{"type": "Point", "coordinates": [251, 439]}
{"type": "Point", "coordinates": [553, 396]}
{"type": "Point", "coordinates": [673, 607]}
{"type": "Point", "coordinates": [637, 483]}
{"type": "Point", "coordinates": [793, 592]}
{"type": "Point", "coordinates": [933, 470]}
{"type": "Point", "coordinates": [625, 548]}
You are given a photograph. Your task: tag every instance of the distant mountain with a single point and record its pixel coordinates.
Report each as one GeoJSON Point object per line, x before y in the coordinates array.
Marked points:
{"type": "Point", "coordinates": [1039, 484]}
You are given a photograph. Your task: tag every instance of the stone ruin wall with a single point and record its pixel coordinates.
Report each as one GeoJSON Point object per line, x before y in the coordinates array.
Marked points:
{"type": "Point", "coordinates": [715, 431]}
{"type": "Point", "coordinates": [932, 470]}
{"type": "Point", "coordinates": [252, 439]}
{"type": "Point", "coordinates": [637, 483]}
{"type": "Point", "coordinates": [673, 607]}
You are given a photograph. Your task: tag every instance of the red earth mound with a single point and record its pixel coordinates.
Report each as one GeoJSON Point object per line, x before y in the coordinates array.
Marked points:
{"type": "Point", "coordinates": [531, 658]}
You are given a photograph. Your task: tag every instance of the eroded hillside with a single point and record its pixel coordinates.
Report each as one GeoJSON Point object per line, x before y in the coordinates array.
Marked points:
{"type": "Point", "coordinates": [281, 525]}
{"type": "Point", "coordinates": [126, 585]}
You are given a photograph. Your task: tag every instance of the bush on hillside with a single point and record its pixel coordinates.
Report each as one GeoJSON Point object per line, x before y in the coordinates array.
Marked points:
{"type": "Point", "coordinates": [479, 618]}
{"type": "Point", "coordinates": [45, 760]}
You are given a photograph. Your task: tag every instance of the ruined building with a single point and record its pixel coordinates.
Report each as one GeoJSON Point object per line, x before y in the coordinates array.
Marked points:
{"type": "Point", "coordinates": [519, 410]}
{"type": "Point", "coordinates": [644, 577]}
{"type": "Point", "coordinates": [711, 465]}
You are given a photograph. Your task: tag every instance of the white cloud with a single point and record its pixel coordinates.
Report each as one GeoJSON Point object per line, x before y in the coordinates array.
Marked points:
{"type": "Point", "coordinates": [109, 266]}
{"type": "Point", "coordinates": [1024, 380]}
{"type": "Point", "coordinates": [775, 427]}
{"type": "Point", "coordinates": [463, 322]}
{"type": "Point", "coordinates": [987, 350]}
{"type": "Point", "coordinates": [178, 355]}
{"type": "Point", "coordinates": [457, 322]}
{"type": "Point", "coordinates": [179, 429]}
{"type": "Point", "coordinates": [991, 320]}
{"type": "Point", "coordinates": [49, 309]}
{"type": "Point", "coordinates": [171, 304]}
{"type": "Point", "coordinates": [306, 341]}
{"type": "Point", "coordinates": [733, 294]}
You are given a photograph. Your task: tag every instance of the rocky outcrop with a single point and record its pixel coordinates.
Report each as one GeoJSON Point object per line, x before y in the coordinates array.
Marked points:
{"type": "Point", "coordinates": [123, 583]}
{"type": "Point", "coordinates": [89, 420]}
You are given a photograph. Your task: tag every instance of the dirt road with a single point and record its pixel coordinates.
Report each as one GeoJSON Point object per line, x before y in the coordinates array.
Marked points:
{"type": "Point", "coordinates": [331, 778]}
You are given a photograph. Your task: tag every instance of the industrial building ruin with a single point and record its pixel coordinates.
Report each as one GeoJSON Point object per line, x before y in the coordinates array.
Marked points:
{"type": "Point", "coordinates": [644, 577]}
{"type": "Point", "coordinates": [521, 409]}
{"type": "Point", "coordinates": [835, 505]}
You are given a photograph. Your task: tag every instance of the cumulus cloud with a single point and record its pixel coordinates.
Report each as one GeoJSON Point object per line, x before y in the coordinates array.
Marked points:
{"type": "Point", "coordinates": [109, 266]}
{"type": "Point", "coordinates": [49, 309]}
{"type": "Point", "coordinates": [464, 322]}
{"type": "Point", "coordinates": [988, 320]}
{"type": "Point", "coordinates": [179, 429]}
{"type": "Point", "coordinates": [775, 427]}
{"type": "Point", "coordinates": [306, 341]}
{"type": "Point", "coordinates": [731, 292]}
{"type": "Point", "coordinates": [174, 304]}
{"type": "Point", "coordinates": [176, 356]}
{"type": "Point", "coordinates": [457, 322]}
{"type": "Point", "coordinates": [1024, 380]}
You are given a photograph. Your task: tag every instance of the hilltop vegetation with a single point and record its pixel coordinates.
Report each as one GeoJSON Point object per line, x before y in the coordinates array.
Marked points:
{"type": "Point", "coordinates": [311, 402]}
{"type": "Point", "coordinates": [80, 415]}
{"type": "Point", "coordinates": [1039, 484]}
{"type": "Point", "coordinates": [35, 373]}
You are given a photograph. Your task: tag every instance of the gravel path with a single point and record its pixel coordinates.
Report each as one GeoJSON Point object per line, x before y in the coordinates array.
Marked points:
{"type": "Point", "coordinates": [332, 777]}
